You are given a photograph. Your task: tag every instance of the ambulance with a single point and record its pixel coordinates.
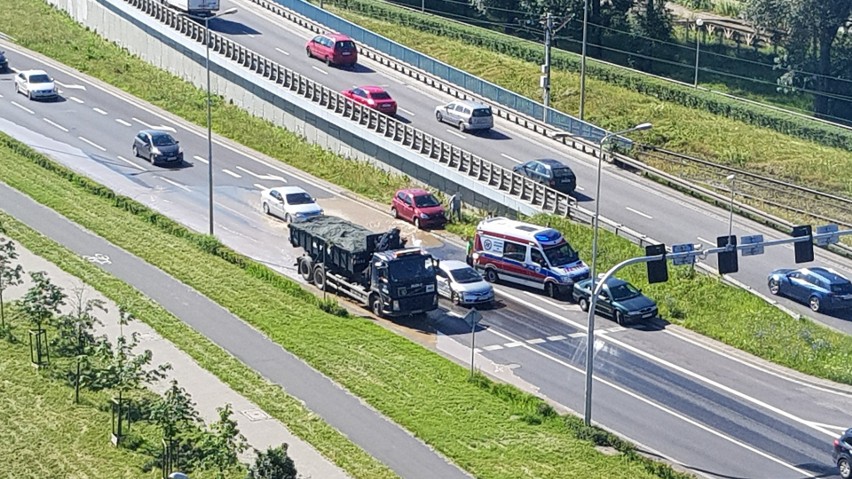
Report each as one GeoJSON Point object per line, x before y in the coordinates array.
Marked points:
{"type": "Point", "coordinates": [528, 255]}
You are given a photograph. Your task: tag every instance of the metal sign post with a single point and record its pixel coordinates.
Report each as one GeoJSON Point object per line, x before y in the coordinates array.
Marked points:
{"type": "Point", "coordinates": [472, 318]}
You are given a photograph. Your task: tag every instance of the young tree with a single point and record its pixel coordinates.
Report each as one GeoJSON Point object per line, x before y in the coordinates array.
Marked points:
{"type": "Point", "coordinates": [41, 305]}
{"type": "Point", "coordinates": [222, 443]}
{"type": "Point", "coordinates": [274, 463]}
{"type": "Point", "coordinates": [174, 412]}
{"type": "Point", "coordinates": [75, 336]}
{"type": "Point", "coordinates": [123, 371]}
{"type": "Point", "coordinates": [10, 275]}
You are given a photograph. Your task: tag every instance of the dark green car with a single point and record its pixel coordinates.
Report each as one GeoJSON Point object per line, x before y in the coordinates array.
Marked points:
{"type": "Point", "coordinates": [619, 300]}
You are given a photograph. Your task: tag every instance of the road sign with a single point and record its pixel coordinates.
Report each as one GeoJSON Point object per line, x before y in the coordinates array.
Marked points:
{"type": "Point", "coordinates": [683, 248]}
{"type": "Point", "coordinates": [473, 317]}
{"type": "Point", "coordinates": [752, 245]}
{"type": "Point", "coordinates": [827, 229]}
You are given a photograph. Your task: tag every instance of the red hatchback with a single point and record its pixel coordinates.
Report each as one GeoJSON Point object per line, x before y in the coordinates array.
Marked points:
{"type": "Point", "coordinates": [333, 49]}
{"type": "Point", "coordinates": [420, 207]}
{"type": "Point", "coordinates": [374, 97]}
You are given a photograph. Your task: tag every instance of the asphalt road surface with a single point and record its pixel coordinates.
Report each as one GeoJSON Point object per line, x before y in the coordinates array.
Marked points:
{"type": "Point", "coordinates": [716, 411]}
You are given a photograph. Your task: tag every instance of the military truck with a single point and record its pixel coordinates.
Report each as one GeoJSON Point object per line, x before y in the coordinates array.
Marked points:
{"type": "Point", "coordinates": [373, 269]}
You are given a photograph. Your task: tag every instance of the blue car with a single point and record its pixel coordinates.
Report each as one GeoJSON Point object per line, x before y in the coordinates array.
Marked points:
{"type": "Point", "coordinates": [820, 288]}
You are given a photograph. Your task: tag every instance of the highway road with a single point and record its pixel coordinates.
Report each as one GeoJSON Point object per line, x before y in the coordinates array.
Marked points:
{"type": "Point", "coordinates": [641, 205]}
{"type": "Point", "coordinates": [717, 412]}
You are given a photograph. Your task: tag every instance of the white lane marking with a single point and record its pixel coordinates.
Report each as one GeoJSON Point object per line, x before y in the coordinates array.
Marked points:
{"type": "Point", "coordinates": [453, 132]}
{"type": "Point", "coordinates": [320, 70]}
{"type": "Point", "coordinates": [706, 241]}
{"type": "Point", "coordinates": [165, 128]}
{"type": "Point", "coordinates": [98, 110]}
{"type": "Point", "coordinates": [234, 211]}
{"type": "Point", "coordinates": [577, 335]}
{"type": "Point", "coordinates": [260, 187]}
{"type": "Point", "coordinates": [660, 407]}
{"type": "Point", "coordinates": [175, 183]}
{"type": "Point", "coordinates": [830, 426]}
{"type": "Point", "coordinates": [229, 172]}
{"type": "Point", "coordinates": [130, 163]}
{"type": "Point", "coordinates": [74, 98]}
{"type": "Point", "coordinates": [558, 337]}
{"type": "Point", "coordinates": [137, 120]}
{"type": "Point", "coordinates": [514, 344]}
{"type": "Point", "coordinates": [281, 51]}
{"type": "Point", "coordinates": [198, 158]}
{"type": "Point", "coordinates": [22, 107]}
{"type": "Point", "coordinates": [638, 212]}
{"type": "Point", "coordinates": [120, 121]}
{"type": "Point", "coordinates": [70, 87]}
{"type": "Point", "coordinates": [552, 303]}
{"type": "Point", "coordinates": [510, 158]}
{"type": "Point", "coordinates": [57, 125]}
{"type": "Point", "coordinates": [536, 341]}
{"type": "Point", "coordinates": [580, 188]}
{"type": "Point", "coordinates": [262, 177]}
{"type": "Point", "coordinates": [493, 347]}
{"type": "Point", "coordinates": [409, 113]}
{"type": "Point", "coordinates": [1, 96]}
{"type": "Point", "coordinates": [92, 143]}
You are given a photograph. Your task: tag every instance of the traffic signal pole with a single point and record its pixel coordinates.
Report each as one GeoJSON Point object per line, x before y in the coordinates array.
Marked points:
{"type": "Point", "coordinates": [825, 235]}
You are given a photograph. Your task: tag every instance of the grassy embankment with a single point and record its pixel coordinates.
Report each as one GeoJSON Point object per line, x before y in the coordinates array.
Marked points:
{"type": "Point", "coordinates": [678, 128]}
{"type": "Point", "coordinates": [740, 320]}
{"type": "Point", "coordinates": [494, 431]}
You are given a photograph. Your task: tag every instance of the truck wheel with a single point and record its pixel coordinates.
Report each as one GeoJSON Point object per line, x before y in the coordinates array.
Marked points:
{"type": "Point", "coordinates": [319, 277]}
{"type": "Point", "coordinates": [491, 275]}
{"type": "Point", "coordinates": [584, 304]}
{"type": "Point", "coordinates": [376, 306]}
{"type": "Point", "coordinates": [305, 270]}
{"type": "Point", "coordinates": [845, 468]}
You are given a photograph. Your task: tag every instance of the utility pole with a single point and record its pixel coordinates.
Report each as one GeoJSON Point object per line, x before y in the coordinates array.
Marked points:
{"type": "Point", "coordinates": [583, 60]}
{"type": "Point", "coordinates": [545, 69]}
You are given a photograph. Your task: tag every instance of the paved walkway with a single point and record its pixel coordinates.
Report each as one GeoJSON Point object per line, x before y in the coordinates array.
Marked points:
{"type": "Point", "coordinates": [378, 436]}
{"type": "Point", "coordinates": [207, 391]}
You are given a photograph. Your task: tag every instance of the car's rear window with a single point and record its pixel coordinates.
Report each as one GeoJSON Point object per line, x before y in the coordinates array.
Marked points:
{"type": "Point", "coordinates": [380, 96]}
{"type": "Point", "coordinates": [841, 288]}
{"type": "Point", "coordinates": [345, 45]}
{"type": "Point", "coordinates": [482, 112]}
{"type": "Point", "coordinates": [163, 140]}
{"type": "Point", "coordinates": [562, 172]}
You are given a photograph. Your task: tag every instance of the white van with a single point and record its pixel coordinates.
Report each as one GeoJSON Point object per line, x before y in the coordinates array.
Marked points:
{"type": "Point", "coordinates": [526, 254]}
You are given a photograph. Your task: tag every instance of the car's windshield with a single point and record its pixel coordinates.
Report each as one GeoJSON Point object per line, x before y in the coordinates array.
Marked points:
{"type": "Point", "coordinates": [411, 268]}
{"type": "Point", "coordinates": [560, 255]}
{"type": "Point", "coordinates": [841, 288]}
{"type": "Point", "coordinates": [481, 112]}
{"type": "Point", "coordinates": [42, 78]}
{"type": "Point", "coordinates": [426, 201]}
{"type": "Point", "coordinates": [465, 275]}
{"type": "Point", "coordinates": [623, 291]}
{"type": "Point", "coordinates": [299, 199]}
{"type": "Point", "coordinates": [163, 140]}
{"type": "Point", "coordinates": [380, 95]}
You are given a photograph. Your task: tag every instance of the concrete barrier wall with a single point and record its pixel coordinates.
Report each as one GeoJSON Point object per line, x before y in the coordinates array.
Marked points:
{"type": "Point", "coordinates": [167, 49]}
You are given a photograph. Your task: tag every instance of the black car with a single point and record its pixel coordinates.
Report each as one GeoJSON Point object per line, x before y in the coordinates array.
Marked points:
{"type": "Point", "coordinates": [843, 454]}
{"type": "Point", "coordinates": [619, 300]}
{"type": "Point", "coordinates": [4, 63]}
{"type": "Point", "coordinates": [157, 146]}
{"type": "Point", "coordinates": [552, 173]}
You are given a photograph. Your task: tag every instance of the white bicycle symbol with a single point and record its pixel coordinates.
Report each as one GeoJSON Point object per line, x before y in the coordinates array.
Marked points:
{"type": "Point", "coordinates": [98, 258]}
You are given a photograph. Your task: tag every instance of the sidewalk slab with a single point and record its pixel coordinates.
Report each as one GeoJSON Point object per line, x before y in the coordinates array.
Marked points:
{"type": "Point", "coordinates": [207, 391]}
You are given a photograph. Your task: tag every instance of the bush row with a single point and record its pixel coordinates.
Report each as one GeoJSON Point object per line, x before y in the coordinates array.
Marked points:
{"type": "Point", "coordinates": [664, 90]}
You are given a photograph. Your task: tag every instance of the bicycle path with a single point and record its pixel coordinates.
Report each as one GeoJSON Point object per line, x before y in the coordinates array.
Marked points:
{"type": "Point", "coordinates": [377, 435]}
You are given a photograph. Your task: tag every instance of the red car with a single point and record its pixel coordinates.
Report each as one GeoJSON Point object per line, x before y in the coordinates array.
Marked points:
{"type": "Point", "coordinates": [333, 49]}
{"type": "Point", "coordinates": [418, 206]}
{"type": "Point", "coordinates": [374, 97]}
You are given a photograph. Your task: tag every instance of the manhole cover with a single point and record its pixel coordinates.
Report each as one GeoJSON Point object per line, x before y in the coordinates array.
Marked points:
{"type": "Point", "coordinates": [255, 415]}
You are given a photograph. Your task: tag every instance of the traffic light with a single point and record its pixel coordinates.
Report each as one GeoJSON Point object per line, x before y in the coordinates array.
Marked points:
{"type": "Point", "coordinates": [804, 249]}
{"type": "Point", "coordinates": [728, 262]}
{"type": "Point", "coordinates": [658, 271]}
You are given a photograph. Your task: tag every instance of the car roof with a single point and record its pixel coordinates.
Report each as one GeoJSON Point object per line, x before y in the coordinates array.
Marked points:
{"type": "Point", "coordinates": [29, 73]}
{"type": "Point", "coordinates": [338, 37]}
{"type": "Point", "coordinates": [371, 88]}
{"type": "Point", "coordinates": [288, 190]}
{"type": "Point", "coordinates": [155, 132]}
{"type": "Point", "coordinates": [452, 265]}
{"type": "Point", "coordinates": [415, 191]}
{"type": "Point", "coordinates": [827, 274]}
{"type": "Point", "coordinates": [552, 163]}
{"type": "Point", "coordinates": [471, 104]}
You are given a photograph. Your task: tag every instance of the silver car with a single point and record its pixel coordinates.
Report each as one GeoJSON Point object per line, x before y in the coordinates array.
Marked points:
{"type": "Point", "coordinates": [466, 115]}
{"type": "Point", "coordinates": [461, 284]}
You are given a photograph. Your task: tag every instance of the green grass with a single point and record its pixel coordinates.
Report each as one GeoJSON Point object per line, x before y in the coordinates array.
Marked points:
{"type": "Point", "coordinates": [44, 434]}
{"type": "Point", "coordinates": [492, 431]}
{"type": "Point", "coordinates": [677, 128]}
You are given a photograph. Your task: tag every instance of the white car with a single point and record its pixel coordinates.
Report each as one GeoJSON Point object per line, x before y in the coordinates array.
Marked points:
{"type": "Point", "coordinates": [291, 203]}
{"type": "Point", "coordinates": [36, 85]}
{"type": "Point", "coordinates": [462, 284]}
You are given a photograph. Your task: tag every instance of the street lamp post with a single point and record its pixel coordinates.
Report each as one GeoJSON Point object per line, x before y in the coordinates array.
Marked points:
{"type": "Point", "coordinates": [206, 20]}
{"type": "Point", "coordinates": [590, 342]}
{"type": "Point", "coordinates": [698, 24]}
{"type": "Point", "coordinates": [731, 178]}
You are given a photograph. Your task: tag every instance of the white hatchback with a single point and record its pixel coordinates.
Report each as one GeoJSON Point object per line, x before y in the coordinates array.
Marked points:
{"type": "Point", "coordinates": [36, 85]}
{"type": "Point", "coordinates": [291, 203]}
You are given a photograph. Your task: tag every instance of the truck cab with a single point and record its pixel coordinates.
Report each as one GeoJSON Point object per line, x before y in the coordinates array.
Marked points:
{"type": "Point", "coordinates": [403, 282]}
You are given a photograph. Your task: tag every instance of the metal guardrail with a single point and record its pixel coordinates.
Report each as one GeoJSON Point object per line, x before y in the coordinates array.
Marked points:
{"type": "Point", "coordinates": [472, 166]}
